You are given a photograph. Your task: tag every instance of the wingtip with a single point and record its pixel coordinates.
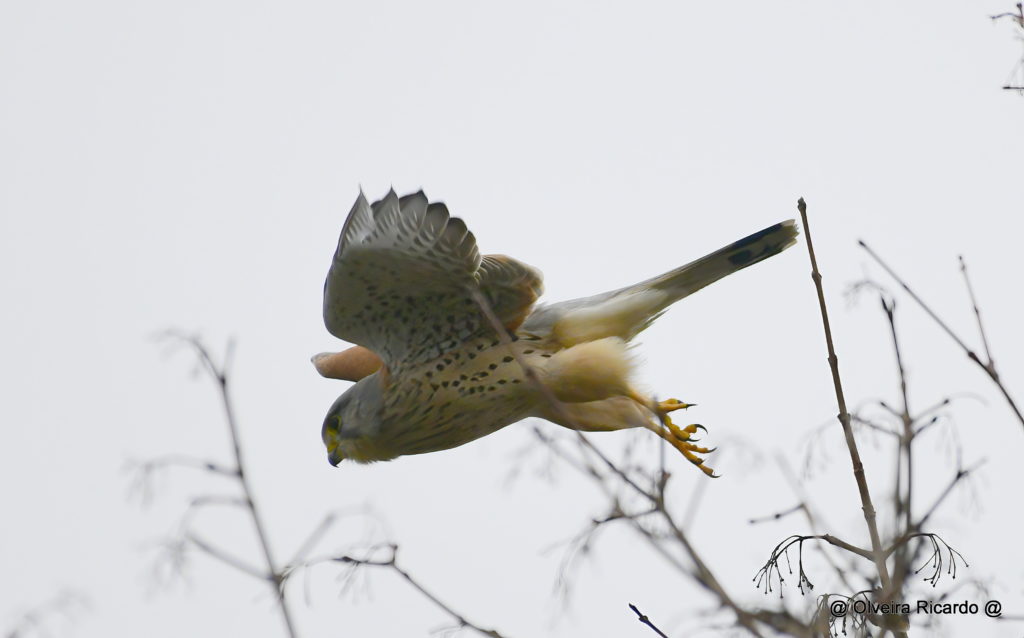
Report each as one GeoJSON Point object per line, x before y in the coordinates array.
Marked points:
{"type": "Point", "coordinates": [439, 206]}
{"type": "Point", "coordinates": [354, 222]}
{"type": "Point", "coordinates": [318, 361]}
{"type": "Point", "coordinates": [418, 200]}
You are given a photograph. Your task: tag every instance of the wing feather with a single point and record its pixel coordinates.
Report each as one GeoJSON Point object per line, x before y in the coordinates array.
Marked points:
{"type": "Point", "coordinates": [399, 281]}
{"type": "Point", "coordinates": [511, 287]}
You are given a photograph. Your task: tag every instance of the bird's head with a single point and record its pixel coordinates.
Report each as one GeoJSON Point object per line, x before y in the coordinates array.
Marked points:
{"type": "Point", "coordinates": [352, 423]}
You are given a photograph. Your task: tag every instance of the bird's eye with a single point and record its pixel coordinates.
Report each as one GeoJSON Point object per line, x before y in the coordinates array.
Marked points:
{"type": "Point", "coordinates": [330, 431]}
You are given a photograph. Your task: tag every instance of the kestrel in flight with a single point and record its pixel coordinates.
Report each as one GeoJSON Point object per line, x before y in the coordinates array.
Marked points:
{"type": "Point", "coordinates": [432, 373]}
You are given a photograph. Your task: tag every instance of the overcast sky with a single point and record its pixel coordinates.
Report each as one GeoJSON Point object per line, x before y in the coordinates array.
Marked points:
{"type": "Point", "coordinates": [189, 165]}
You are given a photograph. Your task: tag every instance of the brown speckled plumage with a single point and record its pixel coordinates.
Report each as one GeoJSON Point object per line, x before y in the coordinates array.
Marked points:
{"type": "Point", "coordinates": [399, 286]}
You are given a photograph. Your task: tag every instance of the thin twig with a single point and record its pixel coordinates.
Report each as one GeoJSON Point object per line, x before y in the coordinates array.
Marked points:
{"type": "Point", "coordinates": [777, 515]}
{"type": "Point", "coordinates": [860, 419]}
{"type": "Point", "coordinates": [146, 471]}
{"type": "Point", "coordinates": [960, 475]}
{"type": "Point", "coordinates": [814, 520]}
{"type": "Point", "coordinates": [582, 542]}
{"type": "Point", "coordinates": [37, 621]}
{"type": "Point", "coordinates": [182, 460]}
{"type": "Point", "coordinates": [645, 620]}
{"type": "Point", "coordinates": [392, 564]}
{"type": "Point", "coordinates": [220, 375]}
{"type": "Point", "coordinates": [314, 537]}
{"type": "Point", "coordinates": [988, 366]}
{"type": "Point", "coordinates": [226, 558]}
{"type": "Point", "coordinates": [977, 313]}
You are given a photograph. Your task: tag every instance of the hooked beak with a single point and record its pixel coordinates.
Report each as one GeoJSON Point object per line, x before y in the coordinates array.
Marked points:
{"type": "Point", "coordinates": [332, 440]}
{"type": "Point", "coordinates": [334, 456]}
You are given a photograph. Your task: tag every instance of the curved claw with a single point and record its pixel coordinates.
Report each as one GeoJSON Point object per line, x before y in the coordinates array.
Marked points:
{"type": "Point", "coordinates": [682, 438]}
{"type": "Point", "coordinates": [671, 405]}
{"type": "Point", "coordinates": [710, 473]}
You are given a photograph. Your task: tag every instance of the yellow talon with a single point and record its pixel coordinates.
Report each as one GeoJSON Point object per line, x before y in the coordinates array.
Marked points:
{"type": "Point", "coordinates": [680, 439]}
{"type": "Point", "coordinates": [683, 434]}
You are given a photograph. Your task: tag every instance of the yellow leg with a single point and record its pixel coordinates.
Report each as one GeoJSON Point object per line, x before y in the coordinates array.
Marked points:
{"type": "Point", "coordinates": [679, 438]}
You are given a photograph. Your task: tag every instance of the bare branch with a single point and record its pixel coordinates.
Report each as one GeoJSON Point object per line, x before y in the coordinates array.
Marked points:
{"type": "Point", "coordinates": [764, 576]}
{"type": "Point", "coordinates": [219, 373]}
{"type": "Point", "coordinates": [960, 475]}
{"type": "Point", "coordinates": [226, 558]}
{"type": "Point", "coordinates": [987, 366]}
{"type": "Point", "coordinates": [844, 416]}
{"type": "Point", "coordinates": [939, 549]}
{"type": "Point", "coordinates": [815, 522]}
{"type": "Point", "coordinates": [581, 543]}
{"type": "Point", "coordinates": [183, 460]}
{"type": "Point", "coordinates": [65, 606]}
{"type": "Point", "coordinates": [145, 472]}
{"type": "Point", "coordinates": [977, 313]}
{"type": "Point", "coordinates": [645, 620]}
{"type": "Point", "coordinates": [777, 515]}
{"type": "Point", "coordinates": [391, 563]}
{"type": "Point", "coordinates": [860, 419]}
{"type": "Point", "coordinates": [317, 534]}
{"type": "Point", "coordinates": [1016, 17]}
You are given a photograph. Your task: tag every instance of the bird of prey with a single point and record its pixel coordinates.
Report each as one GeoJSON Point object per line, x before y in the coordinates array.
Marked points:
{"type": "Point", "coordinates": [432, 372]}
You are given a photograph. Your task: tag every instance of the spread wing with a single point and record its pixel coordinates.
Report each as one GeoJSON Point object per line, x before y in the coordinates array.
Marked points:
{"type": "Point", "coordinates": [399, 281]}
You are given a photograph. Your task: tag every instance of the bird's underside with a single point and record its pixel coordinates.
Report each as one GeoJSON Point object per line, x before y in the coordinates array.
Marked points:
{"type": "Point", "coordinates": [431, 373]}
{"type": "Point", "coordinates": [467, 398]}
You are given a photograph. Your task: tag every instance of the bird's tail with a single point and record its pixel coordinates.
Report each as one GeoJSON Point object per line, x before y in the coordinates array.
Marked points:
{"type": "Point", "coordinates": [626, 312]}
{"type": "Point", "coordinates": [688, 279]}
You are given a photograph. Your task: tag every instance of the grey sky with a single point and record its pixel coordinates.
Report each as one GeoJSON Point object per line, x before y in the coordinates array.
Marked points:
{"type": "Point", "coordinates": [188, 165]}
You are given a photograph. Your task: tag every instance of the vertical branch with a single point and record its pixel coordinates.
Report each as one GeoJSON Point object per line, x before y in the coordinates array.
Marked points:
{"type": "Point", "coordinates": [902, 502]}
{"type": "Point", "coordinates": [904, 497]}
{"type": "Point", "coordinates": [844, 417]}
{"type": "Point", "coordinates": [274, 576]}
